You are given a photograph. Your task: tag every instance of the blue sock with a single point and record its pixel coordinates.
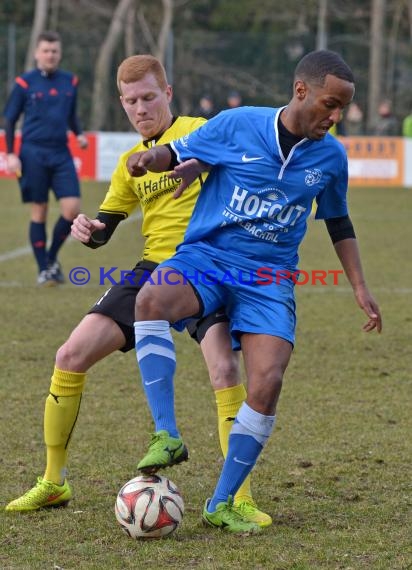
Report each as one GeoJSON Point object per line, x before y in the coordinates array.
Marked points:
{"type": "Point", "coordinates": [248, 436]}
{"type": "Point", "coordinates": [155, 352]}
{"type": "Point", "coordinates": [37, 236]}
{"type": "Point", "coordinates": [60, 233]}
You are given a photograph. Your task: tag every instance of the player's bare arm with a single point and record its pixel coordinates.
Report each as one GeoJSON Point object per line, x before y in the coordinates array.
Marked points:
{"type": "Point", "coordinates": [156, 159]}
{"type": "Point", "coordinates": [83, 228]}
{"type": "Point", "coordinates": [159, 159]}
{"type": "Point", "coordinates": [348, 253]}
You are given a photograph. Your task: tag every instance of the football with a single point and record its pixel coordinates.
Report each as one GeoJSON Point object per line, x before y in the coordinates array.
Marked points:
{"type": "Point", "coordinates": [149, 506]}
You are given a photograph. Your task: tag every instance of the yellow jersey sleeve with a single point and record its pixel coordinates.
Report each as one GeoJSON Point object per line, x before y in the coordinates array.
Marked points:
{"type": "Point", "coordinates": [164, 218]}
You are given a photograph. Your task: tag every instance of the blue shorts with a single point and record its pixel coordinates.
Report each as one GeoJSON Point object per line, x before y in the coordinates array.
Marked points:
{"type": "Point", "coordinates": [46, 168]}
{"type": "Point", "coordinates": [255, 300]}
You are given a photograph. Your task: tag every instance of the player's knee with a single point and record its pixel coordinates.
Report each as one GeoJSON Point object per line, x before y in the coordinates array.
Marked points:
{"type": "Point", "coordinates": [224, 373]}
{"type": "Point", "coordinates": [149, 306]}
{"type": "Point", "coordinates": [70, 208]}
{"type": "Point", "coordinates": [264, 390]}
{"type": "Point", "coordinates": [71, 215]}
{"type": "Point", "coordinates": [69, 357]}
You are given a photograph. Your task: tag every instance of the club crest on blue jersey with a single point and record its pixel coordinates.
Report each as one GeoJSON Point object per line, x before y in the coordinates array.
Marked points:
{"type": "Point", "coordinates": [313, 176]}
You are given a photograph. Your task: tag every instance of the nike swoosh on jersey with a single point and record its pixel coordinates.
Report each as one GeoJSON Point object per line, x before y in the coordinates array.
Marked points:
{"type": "Point", "coordinates": [251, 158]}
{"type": "Point", "coordinates": [236, 460]}
{"type": "Point", "coordinates": [148, 383]}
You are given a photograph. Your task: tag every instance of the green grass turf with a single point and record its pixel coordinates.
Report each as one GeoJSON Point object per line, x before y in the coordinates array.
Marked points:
{"type": "Point", "coordinates": [335, 475]}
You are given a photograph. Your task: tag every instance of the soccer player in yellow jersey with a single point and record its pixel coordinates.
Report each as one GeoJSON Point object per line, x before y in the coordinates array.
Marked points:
{"type": "Point", "coordinates": [146, 96]}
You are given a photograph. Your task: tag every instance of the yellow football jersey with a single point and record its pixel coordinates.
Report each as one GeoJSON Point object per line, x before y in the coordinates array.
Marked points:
{"type": "Point", "coordinates": [164, 218]}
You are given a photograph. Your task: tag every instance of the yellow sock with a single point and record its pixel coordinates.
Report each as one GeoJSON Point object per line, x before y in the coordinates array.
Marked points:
{"type": "Point", "coordinates": [60, 415]}
{"type": "Point", "coordinates": [228, 402]}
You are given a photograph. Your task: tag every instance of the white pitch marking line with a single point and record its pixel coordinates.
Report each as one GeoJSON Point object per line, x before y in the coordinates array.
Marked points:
{"type": "Point", "coordinates": [21, 251]}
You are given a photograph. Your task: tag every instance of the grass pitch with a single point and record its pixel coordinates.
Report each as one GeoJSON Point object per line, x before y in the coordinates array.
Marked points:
{"type": "Point", "coordinates": [335, 475]}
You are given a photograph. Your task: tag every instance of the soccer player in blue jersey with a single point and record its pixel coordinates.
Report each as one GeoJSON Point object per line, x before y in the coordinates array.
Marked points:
{"type": "Point", "coordinates": [241, 248]}
{"type": "Point", "coordinates": [47, 97]}
{"type": "Point", "coordinates": [146, 97]}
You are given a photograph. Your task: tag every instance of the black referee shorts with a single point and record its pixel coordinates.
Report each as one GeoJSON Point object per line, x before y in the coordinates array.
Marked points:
{"type": "Point", "coordinates": [118, 303]}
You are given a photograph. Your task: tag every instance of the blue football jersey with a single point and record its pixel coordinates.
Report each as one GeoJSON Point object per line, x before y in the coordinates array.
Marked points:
{"type": "Point", "coordinates": [255, 202]}
{"type": "Point", "coordinates": [48, 102]}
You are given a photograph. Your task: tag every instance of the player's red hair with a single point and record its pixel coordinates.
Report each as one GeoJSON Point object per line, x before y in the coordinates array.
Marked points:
{"type": "Point", "coordinates": [136, 67]}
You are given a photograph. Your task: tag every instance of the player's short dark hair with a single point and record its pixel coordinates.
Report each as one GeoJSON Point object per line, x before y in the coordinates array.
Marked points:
{"type": "Point", "coordinates": [316, 65]}
{"type": "Point", "coordinates": [48, 36]}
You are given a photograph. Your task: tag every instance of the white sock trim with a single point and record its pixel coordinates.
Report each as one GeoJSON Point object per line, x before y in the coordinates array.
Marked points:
{"type": "Point", "coordinates": [159, 328]}
{"type": "Point", "coordinates": [258, 425]}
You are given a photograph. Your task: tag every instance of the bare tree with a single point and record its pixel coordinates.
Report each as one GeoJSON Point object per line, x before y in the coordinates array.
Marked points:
{"type": "Point", "coordinates": [376, 59]}
{"type": "Point", "coordinates": [322, 33]}
{"type": "Point", "coordinates": [100, 95]}
{"type": "Point", "coordinates": [165, 30]}
{"type": "Point", "coordinates": [120, 25]}
{"type": "Point", "coordinates": [39, 24]}
{"type": "Point", "coordinates": [158, 43]}
{"type": "Point", "coordinates": [129, 41]}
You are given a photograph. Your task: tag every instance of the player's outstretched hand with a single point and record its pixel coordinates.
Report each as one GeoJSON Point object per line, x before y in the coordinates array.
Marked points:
{"type": "Point", "coordinates": [371, 308]}
{"type": "Point", "coordinates": [83, 227]}
{"type": "Point", "coordinates": [139, 163]}
{"type": "Point", "coordinates": [187, 172]}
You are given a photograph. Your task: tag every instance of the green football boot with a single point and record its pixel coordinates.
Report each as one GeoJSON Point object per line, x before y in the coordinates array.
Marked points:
{"type": "Point", "coordinates": [164, 451]}
{"type": "Point", "coordinates": [228, 518]}
{"type": "Point", "coordinates": [44, 495]}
